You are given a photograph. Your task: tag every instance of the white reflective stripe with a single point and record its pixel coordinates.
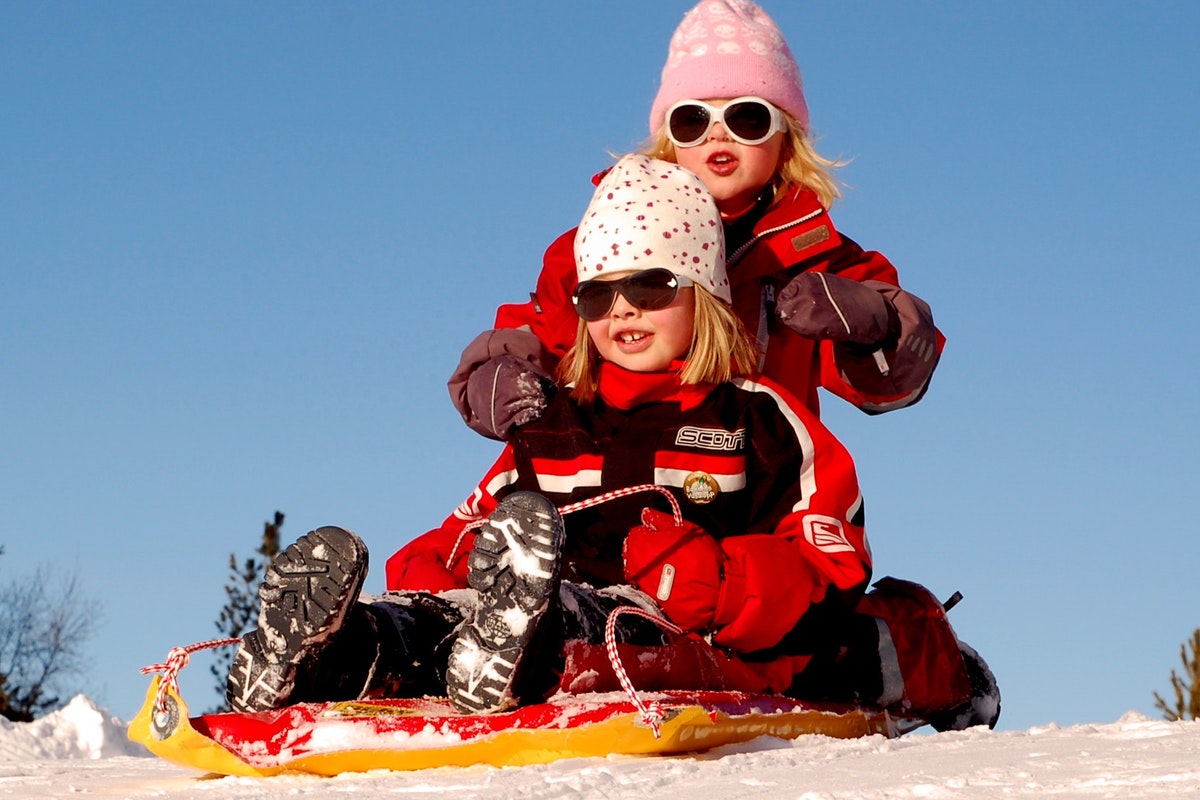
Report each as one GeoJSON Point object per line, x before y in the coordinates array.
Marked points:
{"type": "Point", "coordinates": [808, 480]}
{"type": "Point", "coordinates": [502, 479]}
{"type": "Point", "coordinates": [852, 512]}
{"type": "Point", "coordinates": [889, 667]}
{"type": "Point", "coordinates": [469, 509]}
{"type": "Point", "coordinates": [675, 477]}
{"type": "Point", "coordinates": [564, 484]}
{"type": "Point", "coordinates": [833, 302]}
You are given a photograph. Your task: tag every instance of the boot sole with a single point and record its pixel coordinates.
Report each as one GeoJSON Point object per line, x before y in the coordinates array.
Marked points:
{"type": "Point", "coordinates": [306, 594]}
{"type": "Point", "coordinates": [515, 567]}
{"type": "Point", "coordinates": [256, 683]}
{"type": "Point", "coordinates": [308, 589]}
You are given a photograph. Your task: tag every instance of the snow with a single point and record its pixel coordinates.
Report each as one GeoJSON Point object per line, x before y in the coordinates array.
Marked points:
{"type": "Point", "coordinates": [81, 750]}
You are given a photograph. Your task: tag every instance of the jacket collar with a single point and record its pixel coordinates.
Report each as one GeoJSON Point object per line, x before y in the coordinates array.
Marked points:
{"type": "Point", "coordinates": [625, 389]}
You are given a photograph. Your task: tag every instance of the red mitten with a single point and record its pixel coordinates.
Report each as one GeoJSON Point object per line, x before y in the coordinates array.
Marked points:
{"type": "Point", "coordinates": [680, 566]}
{"type": "Point", "coordinates": [421, 565]}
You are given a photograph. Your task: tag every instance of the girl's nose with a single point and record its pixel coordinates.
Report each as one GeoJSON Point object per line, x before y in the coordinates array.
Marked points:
{"type": "Point", "coordinates": [622, 308]}
{"type": "Point", "coordinates": [717, 133]}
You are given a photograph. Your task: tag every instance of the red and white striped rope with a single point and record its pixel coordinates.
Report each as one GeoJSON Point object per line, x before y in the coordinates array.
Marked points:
{"type": "Point", "coordinates": [470, 526]}
{"type": "Point", "coordinates": [177, 659]}
{"type": "Point", "coordinates": [579, 506]}
{"type": "Point", "coordinates": [614, 494]}
{"type": "Point", "coordinates": [652, 712]}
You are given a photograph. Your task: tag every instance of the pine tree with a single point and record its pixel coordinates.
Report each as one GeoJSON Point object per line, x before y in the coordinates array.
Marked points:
{"type": "Point", "coordinates": [240, 613]}
{"type": "Point", "coordinates": [1186, 687]}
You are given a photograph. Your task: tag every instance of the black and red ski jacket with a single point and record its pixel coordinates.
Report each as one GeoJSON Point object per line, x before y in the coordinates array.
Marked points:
{"type": "Point", "coordinates": [746, 461]}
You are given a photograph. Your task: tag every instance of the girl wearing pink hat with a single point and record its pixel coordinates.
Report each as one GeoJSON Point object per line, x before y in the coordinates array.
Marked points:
{"type": "Point", "coordinates": [823, 311]}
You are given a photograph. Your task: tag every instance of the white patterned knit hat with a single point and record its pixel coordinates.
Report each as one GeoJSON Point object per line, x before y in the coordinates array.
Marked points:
{"type": "Point", "coordinates": [649, 213]}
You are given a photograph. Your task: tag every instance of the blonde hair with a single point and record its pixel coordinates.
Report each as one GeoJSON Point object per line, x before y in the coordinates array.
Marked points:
{"type": "Point", "coordinates": [799, 162]}
{"type": "Point", "coordinates": [721, 350]}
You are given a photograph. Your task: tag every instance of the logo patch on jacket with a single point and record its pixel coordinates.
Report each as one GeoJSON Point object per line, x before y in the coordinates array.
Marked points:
{"type": "Point", "coordinates": [826, 534]}
{"type": "Point", "coordinates": [711, 438]}
{"type": "Point", "coordinates": [809, 238]}
{"type": "Point", "coordinates": [700, 487]}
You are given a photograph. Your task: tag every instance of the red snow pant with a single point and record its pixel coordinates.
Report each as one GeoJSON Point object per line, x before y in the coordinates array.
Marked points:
{"type": "Point", "coordinates": [905, 657]}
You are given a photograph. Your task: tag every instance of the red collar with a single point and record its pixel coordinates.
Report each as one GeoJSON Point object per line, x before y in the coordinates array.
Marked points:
{"type": "Point", "coordinates": [625, 389]}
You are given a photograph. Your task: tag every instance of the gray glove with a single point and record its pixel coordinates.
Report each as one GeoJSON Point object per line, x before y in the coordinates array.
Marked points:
{"type": "Point", "coordinates": [500, 382]}
{"type": "Point", "coordinates": [818, 305]}
{"type": "Point", "coordinates": [507, 391]}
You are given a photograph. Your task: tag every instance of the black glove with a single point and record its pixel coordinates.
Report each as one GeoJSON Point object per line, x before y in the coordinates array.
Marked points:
{"type": "Point", "coordinates": [818, 305]}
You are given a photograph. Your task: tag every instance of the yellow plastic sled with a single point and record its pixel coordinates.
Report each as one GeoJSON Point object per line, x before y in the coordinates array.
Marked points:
{"type": "Point", "coordinates": [410, 734]}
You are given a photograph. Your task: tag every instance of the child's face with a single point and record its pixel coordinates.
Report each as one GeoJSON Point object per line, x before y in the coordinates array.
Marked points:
{"type": "Point", "coordinates": [644, 341]}
{"type": "Point", "coordinates": [734, 172]}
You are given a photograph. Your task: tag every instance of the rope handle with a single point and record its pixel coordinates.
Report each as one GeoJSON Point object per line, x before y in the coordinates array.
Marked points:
{"type": "Point", "coordinates": [651, 713]}
{"type": "Point", "coordinates": [177, 659]}
{"type": "Point", "coordinates": [617, 493]}
{"type": "Point", "coordinates": [570, 508]}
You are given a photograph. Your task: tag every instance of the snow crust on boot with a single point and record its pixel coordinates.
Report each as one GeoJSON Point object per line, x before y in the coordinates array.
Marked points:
{"type": "Point", "coordinates": [305, 597]}
{"type": "Point", "coordinates": [516, 567]}
{"type": "Point", "coordinates": [983, 708]}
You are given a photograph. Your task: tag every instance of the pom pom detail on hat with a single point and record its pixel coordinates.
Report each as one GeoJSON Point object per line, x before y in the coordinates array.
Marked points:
{"type": "Point", "coordinates": [647, 213]}
{"type": "Point", "coordinates": [727, 49]}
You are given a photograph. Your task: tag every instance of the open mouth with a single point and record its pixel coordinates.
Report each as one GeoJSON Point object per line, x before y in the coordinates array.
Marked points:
{"type": "Point", "coordinates": [722, 163]}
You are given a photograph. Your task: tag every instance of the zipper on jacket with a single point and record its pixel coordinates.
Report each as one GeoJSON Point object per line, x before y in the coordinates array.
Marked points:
{"type": "Point", "coordinates": [767, 302]}
{"type": "Point", "coordinates": [766, 308]}
{"type": "Point", "coordinates": [741, 251]}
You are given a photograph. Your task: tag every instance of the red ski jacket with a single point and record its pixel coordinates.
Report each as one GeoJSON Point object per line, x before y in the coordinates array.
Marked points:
{"type": "Point", "coordinates": [795, 234]}
{"type": "Point", "coordinates": [747, 462]}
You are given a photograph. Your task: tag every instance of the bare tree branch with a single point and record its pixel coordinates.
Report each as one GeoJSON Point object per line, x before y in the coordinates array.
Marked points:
{"type": "Point", "coordinates": [45, 620]}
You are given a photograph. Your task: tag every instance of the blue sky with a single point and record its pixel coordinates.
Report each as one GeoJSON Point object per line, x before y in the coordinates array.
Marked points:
{"type": "Point", "coordinates": [244, 244]}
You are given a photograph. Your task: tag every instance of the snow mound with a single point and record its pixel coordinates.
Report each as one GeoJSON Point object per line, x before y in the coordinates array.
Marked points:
{"type": "Point", "coordinates": [78, 730]}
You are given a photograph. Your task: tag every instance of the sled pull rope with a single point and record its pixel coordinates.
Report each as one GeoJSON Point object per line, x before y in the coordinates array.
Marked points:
{"type": "Point", "coordinates": [579, 506]}
{"type": "Point", "coordinates": [617, 493]}
{"type": "Point", "coordinates": [177, 659]}
{"type": "Point", "coordinates": [652, 713]}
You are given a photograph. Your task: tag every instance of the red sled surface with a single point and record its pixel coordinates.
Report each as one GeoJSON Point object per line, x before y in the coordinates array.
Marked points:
{"type": "Point", "coordinates": [409, 734]}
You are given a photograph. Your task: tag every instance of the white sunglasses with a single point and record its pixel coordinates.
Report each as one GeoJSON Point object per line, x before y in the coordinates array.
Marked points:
{"type": "Point", "coordinates": [749, 120]}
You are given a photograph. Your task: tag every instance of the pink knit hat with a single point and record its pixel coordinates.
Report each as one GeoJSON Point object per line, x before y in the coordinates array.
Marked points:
{"type": "Point", "coordinates": [649, 213]}
{"type": "Point", "coordinates": [727, 49]}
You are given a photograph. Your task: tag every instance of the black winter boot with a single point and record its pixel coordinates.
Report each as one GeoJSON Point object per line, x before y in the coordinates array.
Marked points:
{"type": "Point", "coordinates": [305, 598]}
{"type": "Point", "coordinates": [516, 568]}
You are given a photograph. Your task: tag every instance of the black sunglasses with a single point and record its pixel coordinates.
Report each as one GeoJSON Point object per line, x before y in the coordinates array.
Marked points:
{"type": "Point", "coordinates": [648, 290]}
